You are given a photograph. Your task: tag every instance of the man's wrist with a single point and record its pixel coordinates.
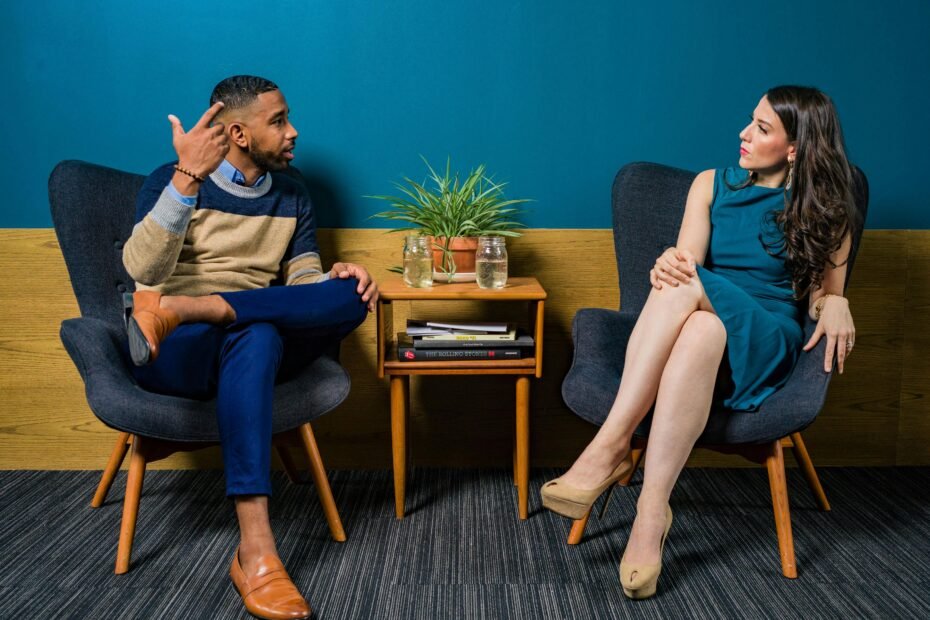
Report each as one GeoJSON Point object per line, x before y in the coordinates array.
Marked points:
{"type": "Point", "coordinates": [186, 185]}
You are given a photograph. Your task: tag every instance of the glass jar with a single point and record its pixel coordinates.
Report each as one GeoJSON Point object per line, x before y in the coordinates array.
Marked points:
{"type": "Point", "coordinates": [491, 262]}
{"type": "Point", "coordinates": [418, 261]}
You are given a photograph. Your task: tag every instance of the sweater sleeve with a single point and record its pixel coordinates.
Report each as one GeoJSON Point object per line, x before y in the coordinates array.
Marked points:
{"type": "Point", "coordinates": [151, 253]}
{"type": "Point", "coordinates": [301, 263]}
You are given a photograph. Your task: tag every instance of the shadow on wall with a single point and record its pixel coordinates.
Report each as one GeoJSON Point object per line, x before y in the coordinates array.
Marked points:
{"type": "Point", "coordinates": [328, 204]}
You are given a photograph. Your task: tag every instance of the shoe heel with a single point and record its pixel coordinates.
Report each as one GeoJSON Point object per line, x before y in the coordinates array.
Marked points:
{"type": "Point", "coordinates": [647, 591]}
{"type": "Point", "coordinates": [127, 308]}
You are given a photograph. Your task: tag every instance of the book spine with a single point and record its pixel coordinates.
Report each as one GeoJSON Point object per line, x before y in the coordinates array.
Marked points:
{"type": "Point", "coordinates": [410, 354]}
{"type": "Point", "coordinates": [419, 343]}
{"type": "Point", "coordinates": [470, 337]}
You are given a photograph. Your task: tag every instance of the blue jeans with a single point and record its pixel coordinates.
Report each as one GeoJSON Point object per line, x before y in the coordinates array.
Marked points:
{"type": "Point", "coordinates": [277, 331]}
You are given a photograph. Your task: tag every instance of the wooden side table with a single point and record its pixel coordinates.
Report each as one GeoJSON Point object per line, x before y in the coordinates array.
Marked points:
{"type": "Point", "coordinates": [517, 289]}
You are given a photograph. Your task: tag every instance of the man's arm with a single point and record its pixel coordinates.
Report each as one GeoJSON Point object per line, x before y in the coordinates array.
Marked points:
{"type": "Point", "coordinates": [166, 202]}
{"type": "Point", "coordinates": [302, 264]}
{"type": "Point", "coordinates": [152, 251]}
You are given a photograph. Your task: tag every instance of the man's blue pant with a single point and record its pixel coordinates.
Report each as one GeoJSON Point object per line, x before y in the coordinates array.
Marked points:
{"type": "Point", "coordinates": [278, 331]}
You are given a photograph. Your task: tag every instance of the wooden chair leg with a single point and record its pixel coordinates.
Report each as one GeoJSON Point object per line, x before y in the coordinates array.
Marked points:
{"type": "Point", "coordinates": [775, 463]}
{"type": "Point", "coordinates": [322, 484]}
{"type": "Point", "coordinates": [579, 525]}
{"type": "Point", "coordinates": [807, 466]}
{"type": "Point", "coordinates": [638, 454]}
{"type": "Point", "coordinates": [577, 532]}
{"type": "Point", "coordinates": [109, 473]}
{"type": "Point", "coordinates": [131, 504]}
{"type": "Point", "coordinates": [288, 462]}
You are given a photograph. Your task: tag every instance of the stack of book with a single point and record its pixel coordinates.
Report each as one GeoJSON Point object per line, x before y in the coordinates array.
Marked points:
{"type": "Point", "coordinates": [431, 341]}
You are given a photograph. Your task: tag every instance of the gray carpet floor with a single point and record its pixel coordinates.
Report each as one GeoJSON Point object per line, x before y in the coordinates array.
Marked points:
{"type": "Point", "coordinates": [462, 552]}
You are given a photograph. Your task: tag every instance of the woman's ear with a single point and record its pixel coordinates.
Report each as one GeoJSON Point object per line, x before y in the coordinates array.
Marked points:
{"type": "Point", "coordinates": [238, 134]}
{"type": "Point", "coordinates": [792, 150]}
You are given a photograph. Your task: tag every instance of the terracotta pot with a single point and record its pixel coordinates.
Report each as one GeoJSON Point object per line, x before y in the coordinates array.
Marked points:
{"type": "Point", "coordinates": [463, 253]}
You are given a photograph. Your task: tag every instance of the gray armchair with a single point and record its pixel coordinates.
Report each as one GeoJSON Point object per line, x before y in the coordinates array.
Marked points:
{"type": "Point", "coordinates": [93, 211]}
{"type": "Point", "coordinates": [648, 204]}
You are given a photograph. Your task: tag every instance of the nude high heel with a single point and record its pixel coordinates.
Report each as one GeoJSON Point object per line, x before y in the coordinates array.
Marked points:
{"type": "Point", "coordinates": [639, 581]}
{"type": "Point", "coordinates": [574, 503]}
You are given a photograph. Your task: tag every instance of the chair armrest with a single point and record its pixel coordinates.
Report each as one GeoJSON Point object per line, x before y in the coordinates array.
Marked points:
{"type": "Point", "coordinates": [95, 346]}
{"type": "Point", "coordinates": [600, 337]}
{"type": "Point", "coordinates": [800, 400]}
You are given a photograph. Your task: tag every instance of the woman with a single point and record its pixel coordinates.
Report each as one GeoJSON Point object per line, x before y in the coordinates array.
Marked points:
{"type": "Point", "coordinates": [781, 227]}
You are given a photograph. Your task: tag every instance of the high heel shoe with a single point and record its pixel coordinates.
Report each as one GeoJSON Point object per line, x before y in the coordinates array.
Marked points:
{"type": "Point", "coordinates": [574, 503]}
{"type": "Point", "coordinates": [639, 581]}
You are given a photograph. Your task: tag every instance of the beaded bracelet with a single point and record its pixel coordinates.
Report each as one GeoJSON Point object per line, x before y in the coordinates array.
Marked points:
{"type": "Point", "coordinates": [189, 173]}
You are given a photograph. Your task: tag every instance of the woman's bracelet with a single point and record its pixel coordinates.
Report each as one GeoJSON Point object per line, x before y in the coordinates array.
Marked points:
{"type": "Point", "coordinates": [818, 305]}
{"type": "Point", "coordinates": [192, 175]}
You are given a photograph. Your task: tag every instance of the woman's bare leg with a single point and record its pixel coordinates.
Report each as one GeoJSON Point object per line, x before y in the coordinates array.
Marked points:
{"type": "Point", "coordinates": [648, 350]}
{"type": "Point", "coordinates": [682, 407]}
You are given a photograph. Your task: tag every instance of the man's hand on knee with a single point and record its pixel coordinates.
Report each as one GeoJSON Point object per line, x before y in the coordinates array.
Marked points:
{"type": "Point", "coordinates": [367, 287]}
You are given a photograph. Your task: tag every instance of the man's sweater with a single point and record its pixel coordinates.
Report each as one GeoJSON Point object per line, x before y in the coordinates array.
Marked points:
{"type": "Point", "coordinates": [236, 238]}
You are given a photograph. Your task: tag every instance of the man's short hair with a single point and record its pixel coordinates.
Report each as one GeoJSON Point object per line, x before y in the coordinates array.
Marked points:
{"type": "Point", "coordinates": [240, 91]}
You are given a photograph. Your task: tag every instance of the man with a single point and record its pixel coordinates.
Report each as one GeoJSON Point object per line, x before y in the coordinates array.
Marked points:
{"type": "Point", "coordinates": [214, 231]}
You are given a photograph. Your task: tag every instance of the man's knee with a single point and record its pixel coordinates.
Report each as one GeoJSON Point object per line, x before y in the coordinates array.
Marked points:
{"type": "Point", "coordinates": [348, 304]}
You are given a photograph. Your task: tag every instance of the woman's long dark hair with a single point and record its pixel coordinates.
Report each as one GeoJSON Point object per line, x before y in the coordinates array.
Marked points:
{"type": "Point", "coordinates": [819, 206]}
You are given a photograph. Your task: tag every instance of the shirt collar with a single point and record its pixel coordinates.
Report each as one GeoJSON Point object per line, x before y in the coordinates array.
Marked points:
{"type": "Point", "coordinates": [233, 174]}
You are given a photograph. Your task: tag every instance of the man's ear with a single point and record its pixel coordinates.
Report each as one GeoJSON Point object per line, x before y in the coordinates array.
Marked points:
{"type": "Point", "coordinates": [238, 134]}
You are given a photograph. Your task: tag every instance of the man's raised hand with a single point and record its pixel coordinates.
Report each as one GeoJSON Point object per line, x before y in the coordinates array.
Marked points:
{"type": "Point", "coordinates": [202, 149]}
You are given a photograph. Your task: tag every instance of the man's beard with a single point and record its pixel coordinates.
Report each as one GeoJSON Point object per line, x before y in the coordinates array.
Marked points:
{"type": "Point", "coordinates": [266, 160]}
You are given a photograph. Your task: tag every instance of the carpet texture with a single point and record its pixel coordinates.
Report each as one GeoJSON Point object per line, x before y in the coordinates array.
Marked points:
{"type": "Point", "coordinates": [461, 552]}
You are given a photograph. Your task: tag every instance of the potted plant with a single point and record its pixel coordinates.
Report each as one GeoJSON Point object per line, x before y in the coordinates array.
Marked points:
{"type": "Point", "coordinates": [453, 212]}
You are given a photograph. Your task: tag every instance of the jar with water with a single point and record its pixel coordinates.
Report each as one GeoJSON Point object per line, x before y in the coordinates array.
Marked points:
{"type": "Point", "coordinates": [491, 262]}
{"type": "Point", "coordinates": [418, 261]}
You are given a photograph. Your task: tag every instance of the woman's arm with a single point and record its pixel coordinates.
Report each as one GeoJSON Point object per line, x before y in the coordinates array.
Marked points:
{"type": "Point", "coordinates": [831, 311]}
{"type": "Point", "coordinates": [694, 234]}
{"type": "Point", "coordinates": [676, 264]}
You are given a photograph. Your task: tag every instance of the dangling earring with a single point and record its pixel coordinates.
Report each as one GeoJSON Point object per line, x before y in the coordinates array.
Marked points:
{"type": "Point", "coordinates": [790, 174]}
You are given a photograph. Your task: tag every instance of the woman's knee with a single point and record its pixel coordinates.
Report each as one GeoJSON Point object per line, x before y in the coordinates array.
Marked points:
{"type": "Point", "coordinates": [704, 327]}
{"type": "Point", "coordinates": [684, 296]}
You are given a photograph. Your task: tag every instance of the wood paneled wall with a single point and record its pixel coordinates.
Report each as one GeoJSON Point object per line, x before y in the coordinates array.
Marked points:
{"type": "Point", "coordinates": [877, 413]}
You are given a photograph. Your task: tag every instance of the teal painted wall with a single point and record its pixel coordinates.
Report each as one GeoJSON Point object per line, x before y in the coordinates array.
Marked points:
{"type": "Point", "coordinates": [554, 96]}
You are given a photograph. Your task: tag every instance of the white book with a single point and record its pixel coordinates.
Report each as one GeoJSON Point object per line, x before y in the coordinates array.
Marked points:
{"type": "Point", "coordinates": [509, 335]}
{"type": "Point", "coordinates": [475, 326]}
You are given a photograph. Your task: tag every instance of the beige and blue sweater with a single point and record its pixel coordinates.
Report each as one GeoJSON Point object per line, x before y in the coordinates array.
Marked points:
{"type": "Point", "coordinates": [236, 238]}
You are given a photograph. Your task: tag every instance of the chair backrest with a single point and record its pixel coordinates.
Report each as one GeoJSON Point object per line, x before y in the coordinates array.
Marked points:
{"type": "Point", "coordinates": [648, 204]}
{"type": "Point", "coordinates": [93, 210]}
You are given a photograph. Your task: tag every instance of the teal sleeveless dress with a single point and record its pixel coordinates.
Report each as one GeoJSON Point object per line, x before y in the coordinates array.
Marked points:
{"type": "Point", "coordinates": [750, 290]}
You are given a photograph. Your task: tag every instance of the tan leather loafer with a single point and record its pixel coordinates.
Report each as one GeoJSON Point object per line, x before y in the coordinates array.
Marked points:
{"type": "Point", "coordinates": [147, 325]}
{"type": "Point", "coordinates": [269, 593]}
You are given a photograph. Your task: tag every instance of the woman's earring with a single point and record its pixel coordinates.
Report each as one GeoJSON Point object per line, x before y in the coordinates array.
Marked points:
{"type": "Point", "coordinates": [790, 174]}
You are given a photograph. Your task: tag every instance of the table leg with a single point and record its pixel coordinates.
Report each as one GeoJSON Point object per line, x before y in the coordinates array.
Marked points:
{"type": "Point", "coordinates": [400, 385]}
{"type": "Point", "coordinates": [523, 443]}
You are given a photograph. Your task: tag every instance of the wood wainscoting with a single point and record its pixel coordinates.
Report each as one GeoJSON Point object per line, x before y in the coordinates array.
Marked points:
{"type": "Point", "coordinates": [877, 413]}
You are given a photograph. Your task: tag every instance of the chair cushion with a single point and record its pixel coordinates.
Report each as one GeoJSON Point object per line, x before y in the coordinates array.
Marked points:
{"type": "Point", "coordinates": [591, 385]}
{"type": "Point", "coordinates": [98, 350]}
